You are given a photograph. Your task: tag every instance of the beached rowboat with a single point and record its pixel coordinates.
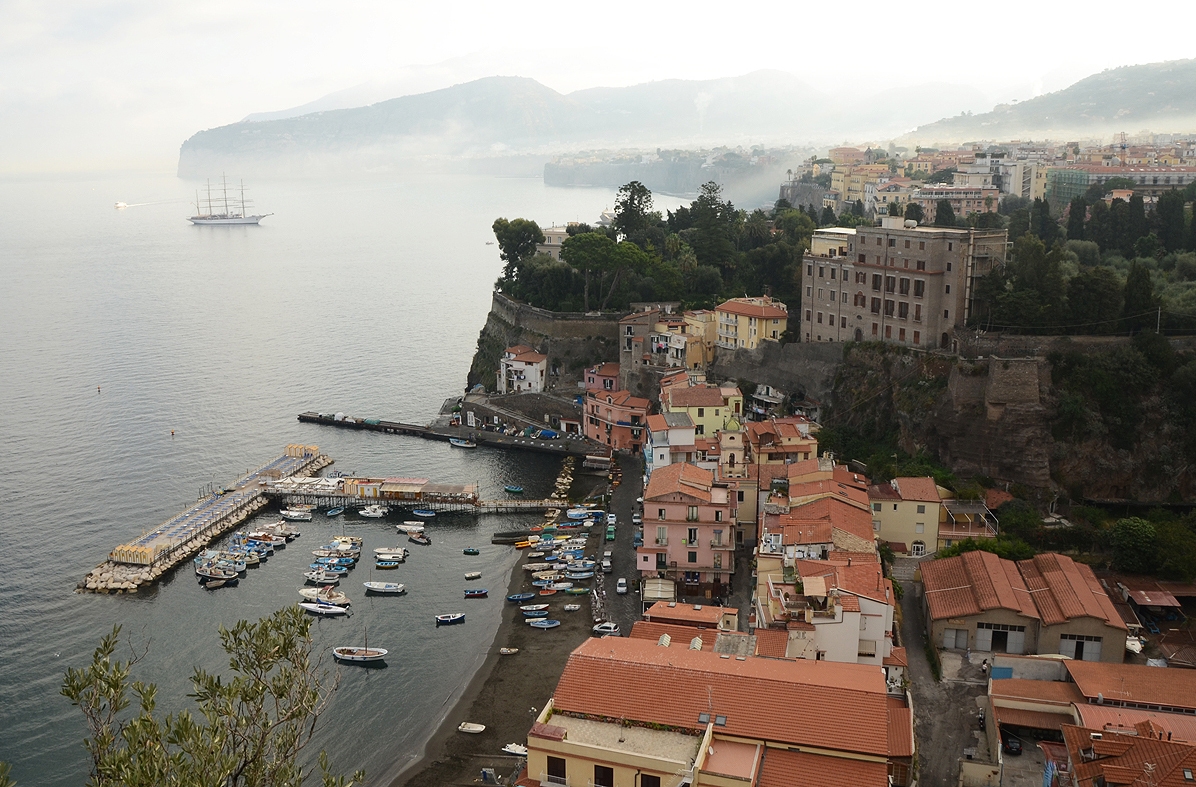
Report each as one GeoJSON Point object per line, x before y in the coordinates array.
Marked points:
{"type": "Point", "coordinates": [533, 607]}
{"type": "Point", "coordinates": [335, 511]}
{"type": "Point", "coordinates": [473, 575]}
{"type": "Point", "coordinates": [516, 598]}
{"type": "Point", "coordinates": [535, 613]}
{"type": "Point", "coordinates": [543, 623]}
{"type": "Point", "coordinates": [471, 728]}
{"type": "Point", "coordinates": [508, 651]}
{"type": "Point", "coordinates": [572, 607]}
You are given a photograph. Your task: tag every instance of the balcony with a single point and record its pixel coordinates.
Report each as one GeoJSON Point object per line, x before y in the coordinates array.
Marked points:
{"type": "Point", "coordinates": [662, 542]}
{"type": "Point", "coordinates": [719, 543]}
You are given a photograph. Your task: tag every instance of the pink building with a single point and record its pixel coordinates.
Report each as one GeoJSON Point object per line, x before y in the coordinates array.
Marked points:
{"type": "Point", "coordinates": [689, 524]}
{"type": "Point", "coordinates": [617, 419]}
{"type": "Point", "coordinates": [603, 377]}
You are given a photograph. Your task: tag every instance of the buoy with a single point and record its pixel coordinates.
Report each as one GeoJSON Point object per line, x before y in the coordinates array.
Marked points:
{"type": "Point", "coordinates": [172, 433]}
{"type": "Point", "coordinates": [97, 389]}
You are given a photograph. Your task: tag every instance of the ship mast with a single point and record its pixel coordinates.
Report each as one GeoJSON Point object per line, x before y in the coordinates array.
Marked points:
{"type": "Point", "coordinates": [224, 187]}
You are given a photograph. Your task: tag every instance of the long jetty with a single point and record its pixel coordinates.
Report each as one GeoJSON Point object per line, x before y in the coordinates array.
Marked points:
{"type": "Point", "coordinates": [141, 562]}
{"type": "Point", "coordinates": [558, 446]}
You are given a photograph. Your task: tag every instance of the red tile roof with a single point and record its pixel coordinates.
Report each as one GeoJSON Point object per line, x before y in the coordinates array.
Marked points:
{"type": "Point", "coordinates": [995, 498]}
{"type": "Point", "coordinates": [1174, 688]}
{"type": "Point", "coordinates": [1182, 726]}
{"type": "Point", "coordinates": [680, 477]}
{"type": "Point", "coordinates": [771, 643]}
{"type": "Point", "coordinates": [1063, 589]}
{"type": "Point", "coordinates": [972, 583]}
{"type": "Point", "coordinates": [694, 396]}
{"type": "Point", "coordinates": [742, 307]}
{"type": "Point", "coordinates": [1056, 692]}
{"type": "Point", "coordinates": [852, 494]}
{"type": "Point", "coordinates": [656, 423]}
{"type": "Point", "coordinates": [1131, 760]}
{"type": "Point", "coordinates": [883, 492]}
{"type": "Point", "coordinates": [901, 728]}
{"type": "Point", "coordinates": [840, 513]}
{"type": "Point", "coordinates": [681, 635]}
{"type": "Point", "coordinates": [920, 489]}
{"type": "Point", "coordinates": [686, 614]}
{"type": "Point", "coordinates": [810, 703]}
{"type": "Point", "coordinates": [896, 658]}
{"type": "Point", "coordinates": [783, 768]}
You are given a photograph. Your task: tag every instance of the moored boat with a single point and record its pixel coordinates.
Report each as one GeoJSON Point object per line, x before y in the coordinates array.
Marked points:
{"type": "Point", "coordinates": [325, 594]}
{"type": "Point", "coordinates": [293, 515]}
{"type": "Point", "coordinates": [426, 513]}
{"type": "Point", "coordinates": [386, 565]}
{"type": "Point", "coordinates": [384, 587]}
{"type": "Point", "coordinates": [391, 557]}
{"type": "Point", "coordinates": [471, 551]}
{"type": "Point", "coordinates": [359, 655]}
{"type": "Point", "coordinates": [419, 538]}
{"type": "Point", "coordinates": [508, 651]}
{"type": "Point", "coordinates": [518, 749]}
{"type": "Point", "coordinates": [513, 489]}
{"type": "Point", "coordinates": [459, 443]}
{"type": "Point", "coordinates": [320, 608]}
{"type": "Point", "coordinates": [450, 618]}
{"type": "Point", "coordinates": [476, 593]}
{"type": "Point", "coordinates": [321, 577]}
{"type": "Point", "coordinates": [374, 511]}
{"type": "Point", "coordinates": [335, 511]}
{"type": "Point", "coordinates": [410, 527]}
{"type": "Point", "coordinates": [329, 569]}
{"type": "Point", "coordinates": [516, 598]}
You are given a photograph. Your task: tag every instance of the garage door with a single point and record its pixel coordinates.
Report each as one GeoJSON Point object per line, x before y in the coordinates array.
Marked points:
{"type": "Point", "coordinates": [984, 638]}
{"type": "Point", "coordinates": [955, 638]}
{"type": "Point", "coordinates": [1017, 642]}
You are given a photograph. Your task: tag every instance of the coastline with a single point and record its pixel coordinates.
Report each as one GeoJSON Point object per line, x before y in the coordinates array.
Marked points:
{"type": "Point", "coordinates": [502, 692]}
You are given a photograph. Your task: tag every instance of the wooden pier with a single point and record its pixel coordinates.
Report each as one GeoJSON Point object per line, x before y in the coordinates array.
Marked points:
{"type": "Point", "coordinates": [559, 446]}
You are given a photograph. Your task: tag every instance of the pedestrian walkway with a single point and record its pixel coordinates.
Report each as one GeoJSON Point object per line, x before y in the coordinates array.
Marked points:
{"type": "Point", "coordinates": [904, 568]}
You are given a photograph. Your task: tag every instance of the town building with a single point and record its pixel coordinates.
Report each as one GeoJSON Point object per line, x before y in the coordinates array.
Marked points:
{"type": "Point", "coordinates": [1070, 181]}
{"type": "Point", "coordinates": [963, 199]}
{"type": "Point", "coordinates": [603, 377]}
{"type": "Point", "coordinates": [709, 407]}
{"type": "Point", "coordinates": [521, 370]}
{"type": "Point", "coordinates": [1143, 755]}
{"type": "Point", "coordinates": [917, 517]}
{"type": "Point", "coordinates": [1047, 605]}
{"type": "Point", "coordinates": [781, 440]}
{"type": "Point", "coordinates": [616, 419]}
{"type": "Point", "coordinates": [745, 322]}
{"type": "Point", "coordinates": [911, 285]}
{"type": "Point", "coordinates": [698, 616]}
{"type": "Point", "coordinates": [554, 238]}
{"type": "Point", "coordinates": [689, 530]}
{"type": "Point", "coordinates": [702, 325]}
{"type": "Point", "coordinates": [670, 440]}
{"type": "Point", "coordinates": [631, 712]}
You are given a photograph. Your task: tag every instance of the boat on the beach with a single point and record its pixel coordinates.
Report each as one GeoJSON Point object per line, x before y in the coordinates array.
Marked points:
{"type": "Point", "coordinates": [419, 538]}
{"type": "Point", "coordinates": [517, 749]}
{"type": "Point", "coordinates": [532, 607]}
{"type": "Point", "coordinates": [561, 585]}
{"type": "Point", "coordinates": [321, 577]}
{"type": "Point", "coordinates": [335, 511]}
{"type": "Point", "coordinates": [457, 442]}
{"type": "Point", "coordinates": [508, 651]}
{"type": "Point", "coordinates": [320, 608]}
{"type": "Point", "coordinates": [577, 591]}
{"type": "Point", "coordinates": [410, 527]}
{"type": "Point", "coordinates": [449, 619]}
{"type": "Point", "coordinates": [536, 566]}
{"type": "Point", "coordinates": [572, 607]}
{"type": "Point", "coordinates": [473, 575]}
{"type": "Point", "coordinates": [547, 592]}
{"type": "Point", "coordinates": [533, 555]}
{"type": "Point", "coordinates": [578, 513]}
{"type": "Point", "coordinates": [542, 583]}
{"type": "Point", "coordinates": [471, 551]}
{"type": "Point", "coordinates": [522, 544]}
{"type": "Point", "coordinates": [374, 511]}
{"type": "Point", "coordinates": [579, 575]}
{"type": "Point", "coordinates": [513, 489]}
{"type": "Point", "coordinates": [544, 623]}
{"type": "Point", "coordinates": [471, 728]}
{"type": "Point", "coordinates": [535, 613]}
{"type": "Point", "coordinates": [359, 655]}
{"type": "Point", "coordinates": [426, 513]}
{"type": "Point", "coordinates": [325, 594]}
{"type": "Point", "coordinates": [516, 598]}
{"type": "Point", "coordinates": [476, 593]}
{"type": "Point", "coordinates": [294, 515]}
{"type": "Point", "coordinates": [386, 565]}
{"type": "Point", "coordinates": [384, 587]}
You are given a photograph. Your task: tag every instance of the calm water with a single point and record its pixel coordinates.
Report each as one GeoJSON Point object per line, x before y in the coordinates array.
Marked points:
{"type": "Point", "coordinates": [361, 296]}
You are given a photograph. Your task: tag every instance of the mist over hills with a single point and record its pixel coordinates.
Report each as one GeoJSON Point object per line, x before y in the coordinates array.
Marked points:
{"type": "Point", "coordinates": [1158, 96]}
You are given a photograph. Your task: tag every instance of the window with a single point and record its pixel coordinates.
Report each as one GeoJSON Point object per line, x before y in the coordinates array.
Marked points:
{"type": "Point", "coordinates": [904, 287]}
{"type": "Point", "coordinates": [916, 337]}
{"type": "Point", "coordinates": [604, 776]}
{"type": "Point", "coordinates": [921, 245]}
{"type": "Point", "coordinates": [901, 334]}
{"type": "Point", "coordinates": [691, 515]}
{"type": "Point", "coordinates": [948, 267]}
{"type": "Point", "coordinates": [890, 283]}
{"type": "Point", "coordinates": [739, 495]}
{"type": "Point", "coordinates": [946, 314]}
{"type": "Point", "coordinates": [889, 307]}
{"type": "Point", "coordinates": [875, 328]}
{"type": "Point", "coordinates": [888, 331]}
{"type": "Point", "coordinates": [920, 527]}
{"type": "Point", "coordinates": [700, 429]}
{"type": "Point", "coordinates": [718, 515]}
{"type": "Point", "coordinates": [917, 312]}
{"type": "Point", "coordinates": [950, 247]}
{"type": "Point", "coordinates": [921, 265]}
{"type": "Point", "coordinates": [842, 322]}
{"type": "Point", "coordinates": [648, 780]}
{"type": "Point", "coordinates": [820, 318]}
{"type": "Point", "coordinates": [820, 295]}
{"type": "Point", "coordinates": [691, 536]}
{"type": "Point", "coordinates": [876, 279]}
{"type": "Point", "coordinates": [809, 270]}
{"type": "Point", "coordinates": [809, 291]}
{"type": "Point", "coordinates": [948, 290]}
{"type": "Point", "coordinates": [845, 297]}
{"type": "Point", "coordinates": [556, 770]}
{"type": "Point", "coordinates": [662, 535]}
{"type": "Point", "coordinates": [833, 296]}
{"type": "Point", "coordinates": [809, 315]}
{"type": "Point", "coordinates": [876, 507]}
{"type": "Point", "coordinates": [832, 274]}
{"type": "Point", "coordinates": [862, 258]}
{"type": "Point", "coordinates": [892, 242]}
{"type": "Point", "coordinates": [903, 310]}
{"type": "Point", "coordinates": [822, 271]}
{"type": "Point", "coordinates": [922, 509]}
{"type": "Point", "coordinates": [660, 513]}
{"type": "Point", "coordinates": [876, 305]}
{"type": "Point", "coordinates": [701, 412]}
{"type": "Point", "coordinates": [907, 244]}
{"type": "Point", "coordinates": [919, 288]}
{"type": "Point", "coordinates": [878, 241]}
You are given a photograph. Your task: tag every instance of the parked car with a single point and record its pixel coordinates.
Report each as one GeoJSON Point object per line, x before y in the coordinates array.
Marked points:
{"type": "Point", "coordinates": [636, 519]}
{"type": "Point", "coordinates": [611, 519]}
{"type": "Point", "coordinates": [606, 565]}
{"type": "Point", "coordinates": [607, 555]}
{"type": "Point", "coordinates": [1011, 743]}
{"type": "Point", "coordinates": [607, 629]}
{"type": "Point", "coordinates": [621, 586]}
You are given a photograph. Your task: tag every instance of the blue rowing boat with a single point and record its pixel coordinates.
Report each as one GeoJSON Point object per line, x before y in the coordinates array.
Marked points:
{"type": "Point", "coordinates": [424, 512]}
{"type": "Point", "coordinates": [335, 511]}
{"type": "Point", "coordinates": [519, 598]}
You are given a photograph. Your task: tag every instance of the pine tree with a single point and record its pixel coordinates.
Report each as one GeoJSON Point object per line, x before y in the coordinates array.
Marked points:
{"type": "Point", "coordinates": [828, 218]}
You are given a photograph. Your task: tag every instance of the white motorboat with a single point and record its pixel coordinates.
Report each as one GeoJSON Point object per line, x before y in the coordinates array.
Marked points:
{"type": "Point", "coordinates": [473, 575]}
{"type": "Point", "coordinates": [359, 655]}
{"type": "Point", "coordinates": [390, 550]}
{"type": "Point", "coordinates": [517, 749]}
{"type": "Point", "coordinates": [320, 608]}
{"type": "Point", "coordinates": [385, 587]}
{"type": "Point", "coordinates": [321, 577]}
{"type": "Point", "coordinates": [292, 515]}
{"type": "Point", "coordinates": [374, 511]}
{"type": "Point", "coordinates": [471, 728]}
{"type": "Point", "coordinates": [325, 594]}
{"type": "Point", "coordinates": [410, 528]}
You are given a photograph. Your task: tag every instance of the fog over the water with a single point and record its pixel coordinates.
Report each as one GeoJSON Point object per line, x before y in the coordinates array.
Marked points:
{"type": "Point", "coordinates": [106, 84]}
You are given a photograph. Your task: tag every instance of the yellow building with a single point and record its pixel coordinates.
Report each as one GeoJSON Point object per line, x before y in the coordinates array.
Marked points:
{"type": "Point", "coordinates": [703, 326]}
{"type": "Point", "coordinates": [710, 407]}
{"type": "Point", "coordinates": [745, 322]}
{"type": "Point", "coordinates": [905, 513]}
{"type": "Point", "coordinates": [850, 182]}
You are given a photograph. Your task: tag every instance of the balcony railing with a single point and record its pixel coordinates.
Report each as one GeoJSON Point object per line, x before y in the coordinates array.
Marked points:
{"type": "Point", "coordinates": [662, 542]}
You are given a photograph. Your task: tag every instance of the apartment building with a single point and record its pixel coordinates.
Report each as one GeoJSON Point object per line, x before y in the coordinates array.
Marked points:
{"type": "Point", "coordinates": [709, 407]}
{"type": "Point", "coordinates": [781, 440]}
{"type": "Point", "coordinates": [554, 238]}
{"type": "Point", "coordinates": [745, 322]}
{"type": "Point", "coordinates": [898, 283]}
{"type": "Point", "coordinates": [633, 712]}
{"type": "Point", "coordinates": [964, 199]}
{"type": "Point", "coordinates": [521, 370]}
{"type": "Point", "coordinates": [905, 513]}
{"type": "Point", "coordinates": [603, 377]}
{"type": "Point", "coordinates": [616, 419]}
{"type": "Point", "coordinates": [850, 181]}
{"type": "Point", "coordinates": [1067, 182]}
{"type": "Point", "coordinates": [670, 440]}
{"type": "Point", "coordinates": [689, 529]}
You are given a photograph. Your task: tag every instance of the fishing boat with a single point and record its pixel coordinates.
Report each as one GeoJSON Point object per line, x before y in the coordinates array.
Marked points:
{"type": "Point", "coordinates": [330, 569]}
{"type": "Point", "coordinates": [374, 511]}
{"type": "Point", "coordinates": [320, 608]}
{"type": "Point", "coordinates": [561, 585]}
{"type": "Point", "coordinates": [535, 613]}
{"type": "Point", "coordinates": [522, 544]}
{"type": "Point", "coordinates": [408, 528]}
{"type": "Point", "coordinates": [513, 489]}
{"type": "Point", "coordinates": [578, 513]}
{"type": "Point", "coordinates": [471, 728]}
{"type": "Point", "coordinates": [544, 623]}
{"type": "Point", "coordinates": [508, 651]}
{"type": "Point", "coordinates": [473, 575]}
{"type": "Point", "coordinates": [471, 551]}
{"type": "Point", "coordinates": [579, 575]}
{"type": "Point", "coordinates": [293, 515]}
{"type": "Point", "coordinates": [390, 550]}
{"type": "Point", "coordinates": [359, 655]}
{"type": "Point", "coordinates": [320, 577]}
{"type": "Point", "coordinates": [384, 587]}
{"type": "Point", "coordinates": [347, 562]}
{"type": "Point", "coordinates": [328, 551]}
{"type": "Point", "coordinates": [548, 592]}
{"type": "Point", "coordinates": [542, 583]}
{"type": "Point", "coordinates": [325, 594]}
{"type": "Point", "coordinates": [419, 538]}
{"type": "Point", "coordinates": [426, 513]}
{"type": "Point", "coordinates": [577, 591]}
{"type": "Point", "coordinates": [450, 619]}
{"type": "Point", "coordinates": [347, 542]}
{"type": "Point", "coordinates": [386, 565]}
{"type": "Point", "coordinates": [210, 572]}
{"type": "Point", "coordinates": [263, 537]}
{"type": "Point", "coordinates": [476, 593]}
{"type": "Point", "coordinates": [572, 607]}
{"type": "Point", "coordinates": [534, 555]}
{"type": "Point", "coordinates": [459, 443]}
{"type": "Point", "coordinates": [392, 557]}
{"type": "Point", "coordinates": [518, 749]}
{"type": "Point", "coordinates": [516, 598]}
{"type": "Point", "coordinates": [302, 507]}
{"type": "Point", "coordinates": [335, 511]}
{"type": "Point", "coordinates": [533, 607]}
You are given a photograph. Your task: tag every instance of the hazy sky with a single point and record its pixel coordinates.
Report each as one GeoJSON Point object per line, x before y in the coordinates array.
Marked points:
{"type": "Point", "coordinates": [121, 83]}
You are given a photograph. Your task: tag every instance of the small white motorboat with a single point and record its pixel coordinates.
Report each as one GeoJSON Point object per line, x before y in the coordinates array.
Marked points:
{"type": "Point", "coordinates": [359, 655]}
{"type": "Point", "coordinates": [410, 528]}
{"type": "Point", "coordinates": [390, 550]}
{"type": "Point", "coordinates": [294, 515]}
{"type": "Point", "coordinates": [388, 557]}
{"type": "Point", "coordinates": [320, 608]}
{"type": "Point", "coordinates": [325, 594]}
{"type": "Point", "coordinates": [471, 728]}
{"type": "Point", "coordinates": [384, 587]}
{"type": "Point", "coordinates": [321, 577]}
{"type": "Point", "coordinates": [572, 607]}
{"type": "Point", "coordinates": [374, 511]}
{"type": "Point", "coordinates": [473, 575]}
{"type": "Point", "coordinates": [508, 651]}
{"type": "Point", "coordinates": [517, 749]}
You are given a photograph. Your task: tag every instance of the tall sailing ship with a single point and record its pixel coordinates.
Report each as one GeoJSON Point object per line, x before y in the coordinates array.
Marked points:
{"type": "Point", "coordinates": [222, 210]}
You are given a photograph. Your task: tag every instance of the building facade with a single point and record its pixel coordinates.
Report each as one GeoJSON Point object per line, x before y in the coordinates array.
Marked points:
{"type": "Point", "coordinates": [522, 370]}
{"type": "Point", "coordinates": [745, 322]}
{"type": "Point", "coordinates": [616, 419]}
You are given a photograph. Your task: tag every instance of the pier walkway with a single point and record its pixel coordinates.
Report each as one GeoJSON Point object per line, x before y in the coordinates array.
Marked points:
{"type": "Point", "coordinates": [327, 499]}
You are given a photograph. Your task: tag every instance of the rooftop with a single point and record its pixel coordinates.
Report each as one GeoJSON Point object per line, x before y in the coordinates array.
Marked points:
{"type": "Point", "coordinates": [695, 396]}
{"type": "Point", "coordinates": [1167, 688]}
{"type": "Point", "coordinates": [920, 489]}
{"type": "Point", "coordinates": [680, 478]}
{"type": "Point", "coordinates": [1139, 760]}
{"type": "Point", "coordinates": [782, 768]}
{"type": "Point", "coordinates": [1063, 589]}
{"type": "Point", "coordinates": [693, 614]}
{"type": "Point", "coordinates": [972, 583]}
{"type": "Point", "coordinates": [762, 308]}
{"type": "Point", "coordinates": [672, 746]}
{"type": "Point", "coordinates": [734, 759]}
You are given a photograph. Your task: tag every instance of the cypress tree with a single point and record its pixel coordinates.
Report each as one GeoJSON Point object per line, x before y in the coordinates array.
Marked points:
{"type": "Point", "coordinates": [944, 214]}
{"type": "Point", "coordinates": [1139, 297]}
{"type": "Point", "coordinates": [1077, 213]}
{"type": "Point", "coordinates": [1169, 216]}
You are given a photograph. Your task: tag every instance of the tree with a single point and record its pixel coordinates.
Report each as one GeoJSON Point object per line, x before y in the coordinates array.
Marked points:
{"type": "Point", "coordinates": [944, 214]}
{"type": "Point", "coordinates": [1169, 217]}
{"type": "Point", "coordinates": [828, 218]}
{"type": "Point", "coordinates": [795, 226]}
{"type": "Point", "coordinates": [517, 241]}
{"type": "Point", "coordinates": [717, 224]}
{"type": "Point", "coordinates": [1094, 300]}
{"type": "Point", "coordinates": [633, 209]}
{"type": "Point", "coordinates": [250, 728]}
{"type": "Point", "coordinates": [914, 212]}
{"type": "Point", "coordinates": [590, 252]}
{"type": "Point", "coordinates": [756, 232]}
{"type": "Point", "coordinates": [857, 208]}
{"type": "Point", "coordinates": [1041, 222]}
{"type": "Point", "coordinates": [1077, 212]}
{"type": "Point", "coordinates": [1133, 540]}
{"type": "Point", "coordinates": [1137, 226]}
{"type": "Point", "coordinates": [1139, 299]}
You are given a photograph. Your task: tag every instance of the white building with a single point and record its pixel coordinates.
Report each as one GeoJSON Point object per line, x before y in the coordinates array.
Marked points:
{"type": "Point", "coordinates": [671, 439]}
{"type": "Point", "coordinates": [522, 369]}
{"type": "Point", "coordinates": [554, 237]}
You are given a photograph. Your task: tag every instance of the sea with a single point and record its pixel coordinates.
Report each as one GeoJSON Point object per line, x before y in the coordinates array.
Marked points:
{"type": "Point", "coordinates": [144, 361]}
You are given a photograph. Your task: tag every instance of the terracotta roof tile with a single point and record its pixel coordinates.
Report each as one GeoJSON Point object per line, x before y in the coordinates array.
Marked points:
{"type": "Point", "coordinates": [1063, 589]}
{"type": "Point", "coordinates": [896, 658]}
{"type": "Point", "coordinates": [608, 369]}
{"type": "Point", "coordinates": [921, 489]}
{"type": "Point", "coordinates": [901, 729]}
{"type": "Point", "coordinates": [680, 477]}
{"type": "Point", "coordinates": [695, 396]}
{"type": "Point", "coordinates": [1175, 688]}
{"type": "Point", "coordinates": [1123, 759]}
{"type": "Point", "coordinates": [972, 583]}
{"type": "Point", "coordinates": [1056, 692]}
{"type": "Point", "coordinates": [764, 311]}
{"type": "Point", "coordinates": [656, 423]}
{"type": "Point", "coordinates": [811, 702]}
{"type": "Point", "coordinates": [783, 768]}
{"type": "Point", "coordinates": [680, 635]}
{"type": "Point", "coordinates": [840, 513]}
{"type": "Point", "coordinates": [685, 614]}
{"type": "Point", "coordinates": [771, 643]}
{"type": "Point", "coordinates": [1182, 726]}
